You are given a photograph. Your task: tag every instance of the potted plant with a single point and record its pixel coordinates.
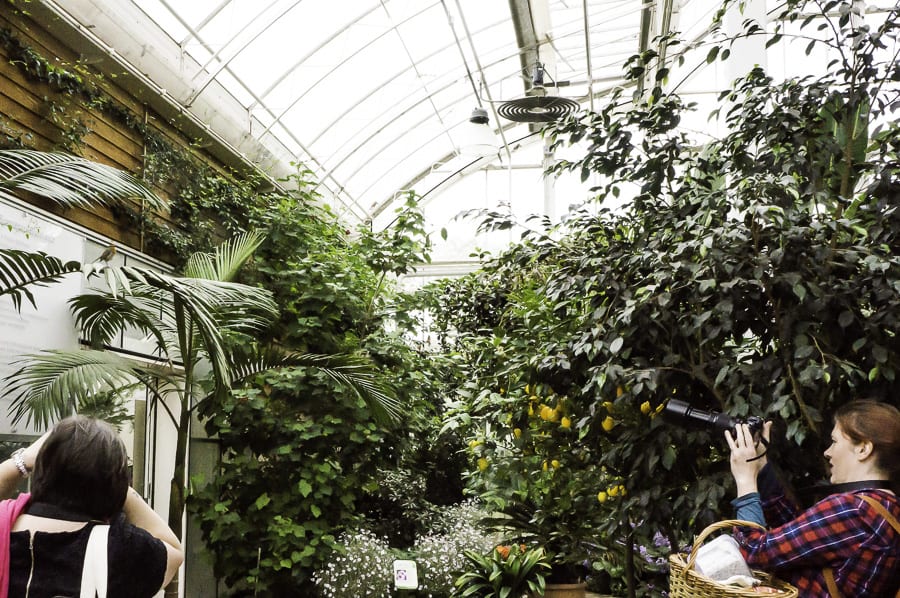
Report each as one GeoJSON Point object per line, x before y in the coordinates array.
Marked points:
{"type": "Point", "coordinates": [507, 571]}
{"type": "Point", "coordinates": [561, 533]}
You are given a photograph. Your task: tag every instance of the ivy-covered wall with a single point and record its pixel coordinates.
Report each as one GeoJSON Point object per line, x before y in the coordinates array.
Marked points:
{"type": "Point", "coordinates": [55, 95]}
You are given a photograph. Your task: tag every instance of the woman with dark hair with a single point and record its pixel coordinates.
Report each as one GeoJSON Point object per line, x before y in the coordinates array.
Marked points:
{"type": "Point", "coordinates": [847, 545]}
{"type": "Point", "coordinates": [80, 482]}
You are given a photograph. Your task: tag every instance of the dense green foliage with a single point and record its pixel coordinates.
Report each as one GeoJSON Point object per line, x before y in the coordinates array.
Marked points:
{"type": "Point", "coordinates": [755, 273]}
{"type": "Point", "coordinates": [206, 203]}
{"type": "Point", "coordinates": [303, 456]}
{"type": "Point", "coordinates": [332, 287]}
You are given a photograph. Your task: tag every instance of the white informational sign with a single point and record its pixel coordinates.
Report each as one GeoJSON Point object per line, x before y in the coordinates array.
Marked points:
{"type": "Point", "coordinates": [50, 325]}
{"type": "Point", "coordinates": [406, 576]}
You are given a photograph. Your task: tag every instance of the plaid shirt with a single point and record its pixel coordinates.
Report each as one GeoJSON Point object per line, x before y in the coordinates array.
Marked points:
{"type": "Point", "coordinates": [842, 532]}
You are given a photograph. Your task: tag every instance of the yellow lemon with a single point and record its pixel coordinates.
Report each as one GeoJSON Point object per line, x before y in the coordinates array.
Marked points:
{"type": "Point", "coordinates": [608, 423]}
{"type": "Point", "coordinates": [549, 414]}
{"type": "Point", "coordinates": [645, 407]}
{"type": "Point", "coordinates": [565, 422]}
{"type": "Point", "coordinates": [601, 496]}
{"type": "Point", "coordinates": [482, 464]}
{"type": "Point", "coordinates": [544, 466]}
{"type": "Point", "coordinates": [517, 432]}
{"type": "Point", "coordinates": [613, 491]}
{"type": "Point", "coordinates": [474, 443]}
{"type": "Point", "coordinates": [528, 389]}
{"type": "Point", "coordinates": [622, 490]}
{"type": "Point", "coordinates": [607, 405]}
{"type": "Point", "coordinates": [554, 464]}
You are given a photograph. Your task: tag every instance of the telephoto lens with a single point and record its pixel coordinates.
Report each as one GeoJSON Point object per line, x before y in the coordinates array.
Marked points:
{"type": "Point", "coordinates": [681, 412]}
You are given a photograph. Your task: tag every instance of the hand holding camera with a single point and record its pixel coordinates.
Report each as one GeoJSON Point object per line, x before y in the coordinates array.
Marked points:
{"type": "Point", "coordinates": [748, 438]}
{"type": "Point", "coordinates": [748, 454]}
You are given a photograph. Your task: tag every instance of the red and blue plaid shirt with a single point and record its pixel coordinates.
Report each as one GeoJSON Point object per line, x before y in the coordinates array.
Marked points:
{"type": "Point", "coordinates": [842, 532]}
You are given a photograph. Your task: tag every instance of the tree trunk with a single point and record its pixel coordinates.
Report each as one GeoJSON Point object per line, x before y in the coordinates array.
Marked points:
{"type": "Point", "coordinates": [176, 495]}
{"type": "Point", "coordinates": [177, 489]}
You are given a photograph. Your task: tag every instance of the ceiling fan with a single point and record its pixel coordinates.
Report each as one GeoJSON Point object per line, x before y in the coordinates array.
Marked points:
{"type": "Point", "coordinates": [537, 106]}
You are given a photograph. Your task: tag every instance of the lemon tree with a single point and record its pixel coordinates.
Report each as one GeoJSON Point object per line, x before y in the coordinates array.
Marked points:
{"type": "Point", "coordinates": [754, 273]}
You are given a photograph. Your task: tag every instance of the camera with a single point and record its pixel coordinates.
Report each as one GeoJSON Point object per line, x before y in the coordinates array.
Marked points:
{"type": "Point", "coordinates": [681, 412]}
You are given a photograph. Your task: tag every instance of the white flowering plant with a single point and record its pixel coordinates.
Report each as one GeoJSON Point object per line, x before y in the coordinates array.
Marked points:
{"type": "Point", "coordinates": [440, 555]}
{"type": "Point", "coordinates": [362, 567]}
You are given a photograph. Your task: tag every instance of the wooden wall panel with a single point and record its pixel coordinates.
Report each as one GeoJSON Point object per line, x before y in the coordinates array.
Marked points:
{"type": "Point", "coordinates": [26, 103]}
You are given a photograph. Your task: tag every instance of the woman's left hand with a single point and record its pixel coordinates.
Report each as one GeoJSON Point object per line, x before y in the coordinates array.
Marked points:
{"type": "Point", "coordinates": [746, 456]}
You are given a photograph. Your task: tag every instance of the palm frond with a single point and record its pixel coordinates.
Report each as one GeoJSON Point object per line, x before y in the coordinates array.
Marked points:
{"type": "Point", "coordinates": [256, 303]}
{"type": "Point", "coordinates": [48, 385]}
{"type": "Point", "coordinates": [21, 269]}
{"type": "Point", "coordinates": [198, 300]}
{"type": "Point", "coordinates": [349, 371]}
{"type": "Point", "coordinates": [109, 406]}
{"type": "Point", "coordinates": [226, 260]}
{"type": "Point", "coordinates": [101, 318]}
{"type": "Point", "coordinates": [244, 305]}
{"type": "Point", "coordinates": [69, 180]}
{"type": "Point", "coordinates": [207, 307]}
{"type": "Point", "coordinates": [363, 379]}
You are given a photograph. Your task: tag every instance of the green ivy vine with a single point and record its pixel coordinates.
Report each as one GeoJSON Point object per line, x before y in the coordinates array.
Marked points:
{"type": "Point", "coordinates": [207, 204]}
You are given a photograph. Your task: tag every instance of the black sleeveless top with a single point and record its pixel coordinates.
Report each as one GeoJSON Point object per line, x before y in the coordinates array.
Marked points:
{"type": "Point", "coordinates": [136, 562]}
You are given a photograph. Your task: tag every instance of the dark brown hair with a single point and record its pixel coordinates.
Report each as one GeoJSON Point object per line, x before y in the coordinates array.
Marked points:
{"type": "Point", "coordinates": [878, 423]}
{"type": "Point", "coordinates": [82, 467]}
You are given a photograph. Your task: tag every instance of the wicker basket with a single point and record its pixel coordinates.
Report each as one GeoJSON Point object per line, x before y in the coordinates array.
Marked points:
{"type": "Point", "coordinates": [684, 582]}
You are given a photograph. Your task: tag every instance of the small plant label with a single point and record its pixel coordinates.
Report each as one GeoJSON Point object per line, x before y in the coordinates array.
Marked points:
{"type": "Point", "coordinates": [406, 576]}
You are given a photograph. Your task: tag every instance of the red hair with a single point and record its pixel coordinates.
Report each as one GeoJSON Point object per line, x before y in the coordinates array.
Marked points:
{"type": "Point", "coordinates": [875, 422]}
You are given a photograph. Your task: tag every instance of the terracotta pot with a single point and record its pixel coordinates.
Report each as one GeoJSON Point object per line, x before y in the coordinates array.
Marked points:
{"type": "Point", "coordinates": [565, 590]}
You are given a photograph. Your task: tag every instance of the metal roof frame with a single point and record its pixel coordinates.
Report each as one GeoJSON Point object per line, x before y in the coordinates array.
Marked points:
{"type": "Point", "coordinates": [192, 82]}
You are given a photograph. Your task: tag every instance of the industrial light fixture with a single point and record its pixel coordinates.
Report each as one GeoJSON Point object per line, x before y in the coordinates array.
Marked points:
{"type": "Point", "coordinates": [476, 138]}
{"type": "Point", "coordinates": [537, 106]}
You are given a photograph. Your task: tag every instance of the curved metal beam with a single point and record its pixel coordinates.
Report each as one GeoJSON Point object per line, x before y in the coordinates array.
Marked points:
{"type": "Point", "coordinates": [379, 116]}
{"type": "Point", "coordinates": [287, 72]}
{"type": "Point", "coordinates": [203, 22]}
{"type": "Point", "coordinates": [224, 63]}
{"type": "Point", "coordinates": [327, 74]}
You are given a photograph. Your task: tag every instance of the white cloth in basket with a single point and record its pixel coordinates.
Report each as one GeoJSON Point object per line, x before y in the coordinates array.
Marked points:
{"type": "Point", "coordinates": [721, 559]}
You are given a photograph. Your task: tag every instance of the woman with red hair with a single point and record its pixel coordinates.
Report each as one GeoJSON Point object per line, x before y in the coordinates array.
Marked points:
{"type": "Point", "coordinates": [846, 545]}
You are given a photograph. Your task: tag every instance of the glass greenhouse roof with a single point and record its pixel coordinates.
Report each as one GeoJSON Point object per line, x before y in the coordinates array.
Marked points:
{"type": "Point", "coordinates": [369, 95]}
{"type": "Point", "coordinates": [374, 97]}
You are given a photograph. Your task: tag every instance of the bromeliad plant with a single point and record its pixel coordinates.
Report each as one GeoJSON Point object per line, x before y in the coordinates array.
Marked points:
{"type": "Point", "coordinates": [504, 572]}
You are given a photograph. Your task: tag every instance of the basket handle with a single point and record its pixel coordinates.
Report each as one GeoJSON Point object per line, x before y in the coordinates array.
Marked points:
{"type": "Point", "coordinates": [711, 529]}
